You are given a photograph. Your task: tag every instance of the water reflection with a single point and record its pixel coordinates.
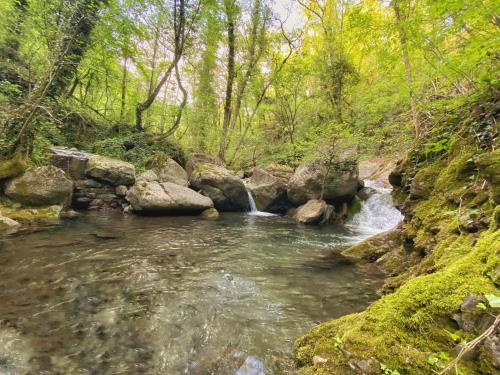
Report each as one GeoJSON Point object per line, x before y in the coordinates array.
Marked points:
{"type": "Point", "coordinates": [138, 295]}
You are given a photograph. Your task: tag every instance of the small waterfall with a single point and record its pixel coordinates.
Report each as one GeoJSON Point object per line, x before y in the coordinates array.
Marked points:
{"type": "Point", "coordinates": [253, 208]}
{"type": "Point", "coordinates": [378, 213]}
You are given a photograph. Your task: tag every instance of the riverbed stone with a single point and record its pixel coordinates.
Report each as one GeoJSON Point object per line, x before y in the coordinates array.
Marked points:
{"type": "Point", "coordinates": [7, 224]}
{"type": "Point", "coordinates": [314, 212]}
{"type": "Point", "coordinates": [30, 215]}
{"type": "Point", "coordinates": [340, 182]}
{"type": "Point", "coordinates": [166, 198]}
{"type": "Point", "coordinates": [223, 187]}
{"type": "Point", "coordinates": [210, 214]}
{"type": "Point", "coordinates": [269, 191]}
{"type": "Point", "coordinates": [43, 186]}
{"type": "Point", "coordinates": [111, 171]}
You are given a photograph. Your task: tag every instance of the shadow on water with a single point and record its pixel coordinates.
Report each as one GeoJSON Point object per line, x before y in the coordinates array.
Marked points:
{"type": "Point", "coordinates": [139, 295]}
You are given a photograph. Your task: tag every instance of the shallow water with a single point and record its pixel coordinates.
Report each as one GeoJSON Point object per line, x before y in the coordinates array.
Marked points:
{"type": "Point", "coordinates": [108, 294]}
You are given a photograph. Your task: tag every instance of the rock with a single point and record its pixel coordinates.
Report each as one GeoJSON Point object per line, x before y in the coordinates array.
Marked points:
{"type": "Point", "coordinates": [365, 366]}
{"type": "Point", "coordinates": [340, 182]}
{"type": "Point", "coordinates": [12, 167]}
{"type": "Point", "coordinates": [491, 350]}
{"type": "Point", "coordinates": [148, 176]}
{"type": "Point", "coordinates": [121, 190]}
{"type": "Point", "coordinates": [376, 246]}
{"type": "Point", "coordinates": [251, 366]}
{"type": "Point", "coordinates": [269, 191]}
{"type": "Point", "coordinates": [366, 192]}
{"type": "Point", "coordinates": [210, 214]}
{"type": "Point", "coordinates": [279, 170]}
{"type": "Point", "coordinates": [73, 162]}
{"type": "Point", "coordinates": [28, 215]}
{"type": "Point", "coordinates": [423, 183]}
{"type": "Point", "coordinates": [314, 212]}
{"type": "Point", "coordinates": [317, 360]}
{"type": "Point", "coordinates": [470, 317]}
{"type": "Point", "coordinates": [43, 186]}
{"type": "Point", "coordinates": [226, 190]}
{"type": "Point", "coordinates": [170, 171]}
{"type": "Point", "coordinates": [91, 194]}
{"type": "Point", "coordinates": [166, 198]}
{"type": "Point", "coordinates": [111, 171]}
{"type": "Point", "coordinates": [489, 168]}
{"type": "Point", "coordinates": [69, 214]}
{"type": "Point", "coordinates": [198, 158]}
{"type": "Point", "coordinates": [7, 224]}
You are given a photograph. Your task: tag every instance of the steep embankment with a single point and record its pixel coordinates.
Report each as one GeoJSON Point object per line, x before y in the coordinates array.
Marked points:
{"type": "Point", "coordinates": [440, 264]}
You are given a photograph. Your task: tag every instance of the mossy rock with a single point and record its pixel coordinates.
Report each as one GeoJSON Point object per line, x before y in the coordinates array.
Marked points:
{"type": "Point", "coordinates": [489, 168]}
{"type": "Point", "coordinates": [32, 215]}
{"type": "Point", "coordinates": [12, 167]}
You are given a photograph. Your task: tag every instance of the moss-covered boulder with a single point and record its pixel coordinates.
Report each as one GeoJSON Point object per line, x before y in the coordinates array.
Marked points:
{"type": "Point", "coordinates": [112, 171]}
{"type": "Point", "coordinates": [32, 215]}
{"type": "Point", "coordinates": [43, 186]}
{"type": "Point", "coordinates": [12, 167]}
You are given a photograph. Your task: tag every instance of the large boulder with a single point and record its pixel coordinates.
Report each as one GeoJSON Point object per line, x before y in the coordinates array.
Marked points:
{"type": "Point", "coordinates": [269, 191]}
{"type": "Point", "coordinates": [226, 190]}
{"type": "Point", "coordinates": [199, 158]}
{"type": "Point", "coordinates": [111, 171]}
{"type": "Point", "coordinates": [339, 180]}
{"type": "Point", "coordinates": [73, 162]}
{"type": "Point", "coordinates": [151, 197]}
{"type": "Point", "coordinates": [170, 171]}
{"type": "Point", "coordinates": [314, 212]}
{"type": "Point", "coordinates": [43, 186]}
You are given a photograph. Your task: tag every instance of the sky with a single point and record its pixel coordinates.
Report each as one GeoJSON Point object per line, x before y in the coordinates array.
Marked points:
{"type": "Point", "coordinates": [289, 10]}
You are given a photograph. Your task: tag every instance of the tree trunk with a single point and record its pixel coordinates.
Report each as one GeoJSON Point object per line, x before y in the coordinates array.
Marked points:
{"type": "Point", "coordinates": [229, 8]}
{"type": "Point", "coordinates": [124, 90]}
{"type": "Point", "coordinates": [408, 68]}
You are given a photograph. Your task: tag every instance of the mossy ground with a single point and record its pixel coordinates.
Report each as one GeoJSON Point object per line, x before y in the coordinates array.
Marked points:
{"type": "Point", "coordinates": [451, 220]}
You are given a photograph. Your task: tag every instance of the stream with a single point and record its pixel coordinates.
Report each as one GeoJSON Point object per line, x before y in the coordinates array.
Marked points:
{"type": "Point", "coordinates": [119, 294]}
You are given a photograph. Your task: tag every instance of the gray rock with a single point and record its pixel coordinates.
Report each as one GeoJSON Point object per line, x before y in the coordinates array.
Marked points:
{"type": "Point", "coordinates": [340, 182]}
{"type": "Point", "coordinates": [73, 162]}
{"type": "Point", "coordinates": [148, 176]}
{"type": "Point", "coordinates": [365, 366]}
{"type": "Point", "coordinates": [121, 190]}
{"type": "Point", "coordinates": [491, 349]}
{"type": "Point", "coordinates": [226, 190]}
{"type": "Point", "coordinates": [43, 186]}
{"type": "Point", "coordinates": [198, 158]}
{"type": "Point", "coordinates": [7, 225]}
{"type": "Point", "coordinates": [166, 198]}
{"type": "Point", "coordinates": [269, 191]}
{"type": "Point", "coordinates": [314, 212]}
{"type": "Point", "coordinates": [170, 171]}
{"type": "Point", "coordinates": [366, 192]}
{"type": "Point", "coordinates": [111, 171]}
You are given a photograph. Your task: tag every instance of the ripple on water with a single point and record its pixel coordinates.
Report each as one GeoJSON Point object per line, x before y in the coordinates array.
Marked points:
{"type": "Point", "coordinates": [171, 295]}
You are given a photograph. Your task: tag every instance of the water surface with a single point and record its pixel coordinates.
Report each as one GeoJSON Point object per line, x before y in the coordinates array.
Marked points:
{"type": "Point", "coordinates": [114, 294]}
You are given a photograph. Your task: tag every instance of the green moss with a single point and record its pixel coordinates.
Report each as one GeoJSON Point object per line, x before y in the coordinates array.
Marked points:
{"type": "Point", "coordinates": [403, 328]}
{"type": "Point", "coordinates": [12, 167]}
{"type": "Point", "coordinates": [28, 215]}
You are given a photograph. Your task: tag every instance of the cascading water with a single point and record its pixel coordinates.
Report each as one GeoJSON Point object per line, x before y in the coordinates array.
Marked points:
{"type": "Point", "coordinates": [378, 213]}
{"type": "Point", "coordinates": [253, 207]}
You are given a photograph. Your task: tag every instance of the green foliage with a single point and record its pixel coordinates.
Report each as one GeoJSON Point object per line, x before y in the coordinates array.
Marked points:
{"type": "Point", "coordinates": [387, 371]}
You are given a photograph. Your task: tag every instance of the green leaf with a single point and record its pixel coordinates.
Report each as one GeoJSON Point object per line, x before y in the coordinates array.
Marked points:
{"type": "Point", "coordinates": [493, 300]}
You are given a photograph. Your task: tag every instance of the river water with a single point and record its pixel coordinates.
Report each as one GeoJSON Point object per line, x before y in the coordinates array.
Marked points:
{"type": "Point", "coordinates": [114, 294]}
